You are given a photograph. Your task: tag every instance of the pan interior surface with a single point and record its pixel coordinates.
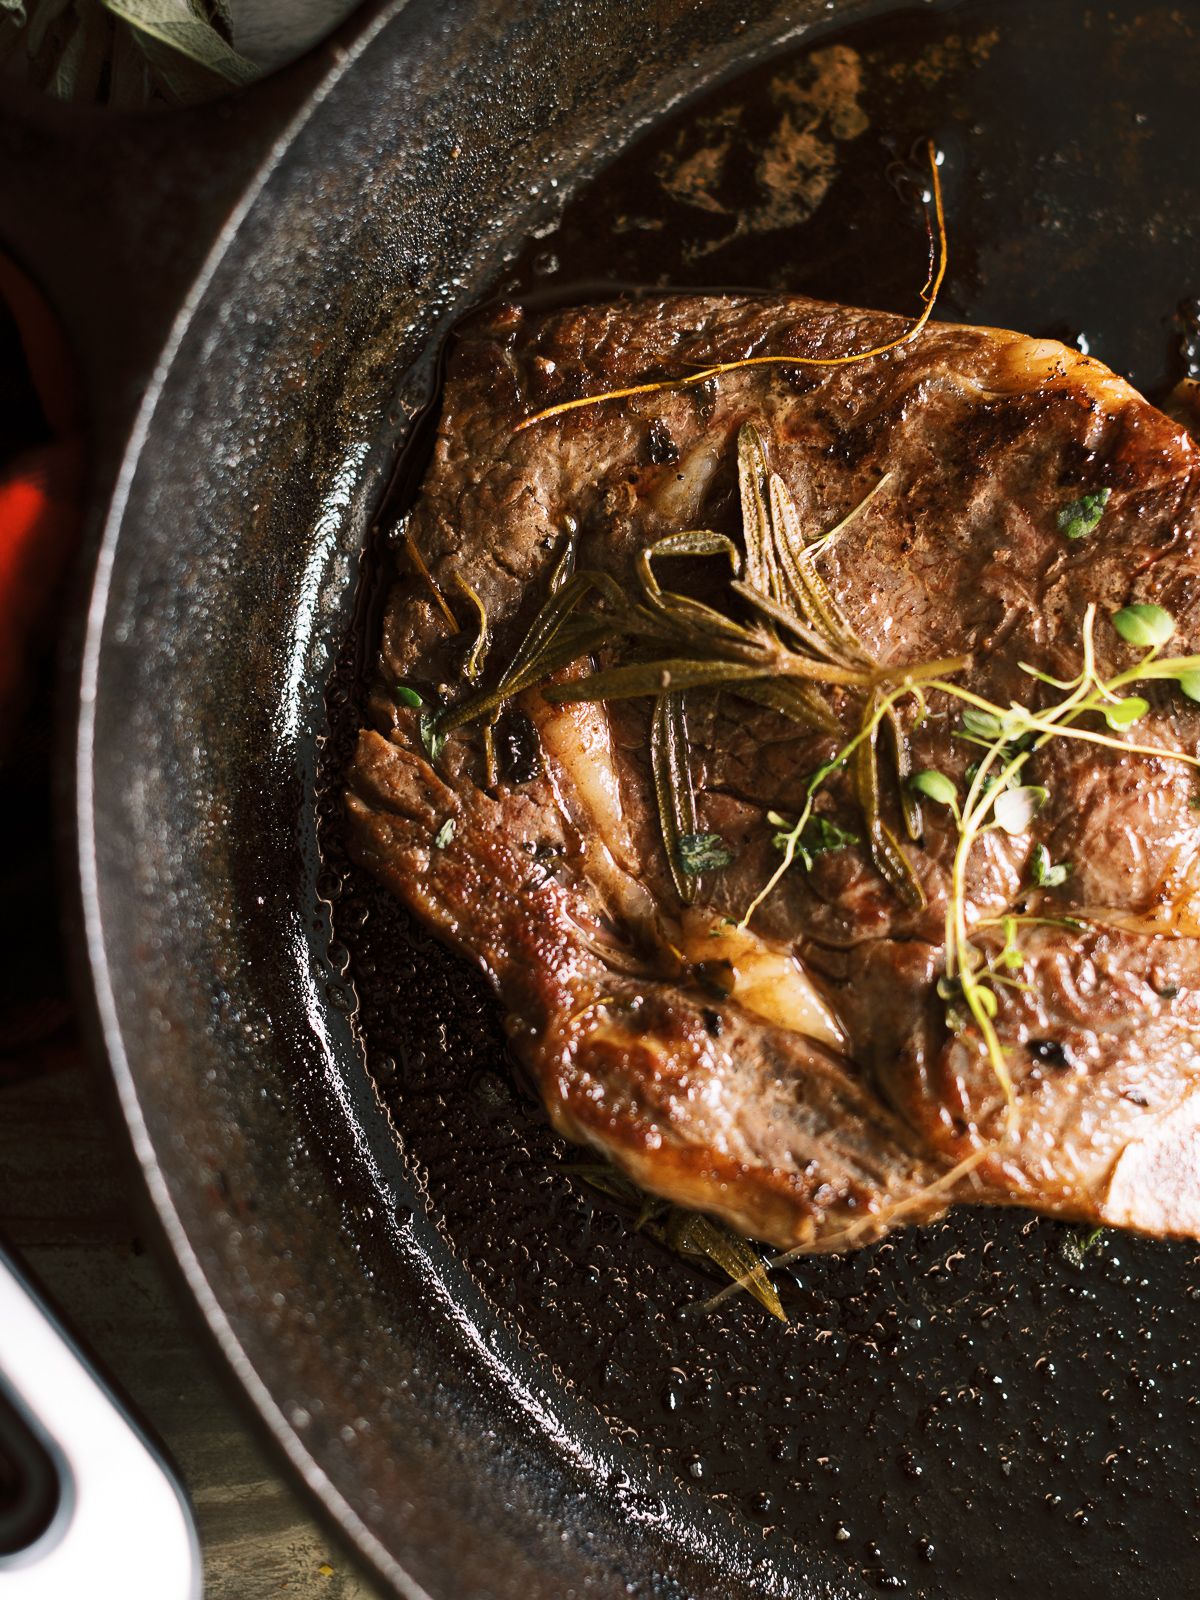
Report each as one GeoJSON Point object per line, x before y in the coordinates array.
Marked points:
{"type": "Point", "coordinates": [496, 1384]}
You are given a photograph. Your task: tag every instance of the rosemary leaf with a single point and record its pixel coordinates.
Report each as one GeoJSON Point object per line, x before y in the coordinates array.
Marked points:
{"type": "Point", "coordinates": [824, 540]}
{"type": "Point", "coordinates": [560, 603]}
{"type": "Point", "coordinates": [910, 804]}
{"type": "Point", "coordinates": [756, 522]}
{"type": "Point", "coordinates": [693, 1234]}
{"type": "Point", "coordinates": [491, 767]}
{"type": "Point", "coordinates": [794, 699]}
{"type": "Point", "coordinates": [185, 49]}
{"type": "Point", "coordinates": [693, 542]}
{"type": "Point", "coordinates": [810, 638]}
{"type": "Point", "coordinates": [673, 786]}
{"type": "Point", "coordinates": [679, 618]}
{"type": "Point", "coordinates": [548, 644]}
{"type": "Point", "coordinates": [890, 860]}
{"type": "Point", "coordinates": [687, 1233]}
{"type": "Point", "coordinates": [655, 677]}
{"type": "Point", "coordinates": [809, 590]}
{"type": "Point", "coordinates": [686, 615]}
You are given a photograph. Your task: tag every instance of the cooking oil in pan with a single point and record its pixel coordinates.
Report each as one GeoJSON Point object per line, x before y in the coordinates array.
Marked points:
{"type": "Point", "coordinates": [972, 1409]}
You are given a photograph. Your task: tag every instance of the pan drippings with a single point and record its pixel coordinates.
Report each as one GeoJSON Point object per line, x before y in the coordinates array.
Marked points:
{"type": "Point", "coordinates": [976, 1409]}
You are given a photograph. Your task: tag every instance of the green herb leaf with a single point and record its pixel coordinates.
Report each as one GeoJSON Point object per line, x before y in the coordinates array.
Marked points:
{"type": "Point", "coordinates": [821, 837]}
{"type": "Point", "coordinates": [1145, 626]}
{"type": "Point", "coordinates": [1045, 873]}
{"type": "Point", "coordinates": [702, 852]}
{"type": "Point", "coordinates": [406, 696]}
{"type": "Point", "coordinates": [691, 1233]}
{"type": "Point", "coordinates": [994, 779]}
{"type": "Point", "coordinates": [982, 724]}
{"type": "Point", "coordinates": [818, 837]}
{"type": "Point", "coordinates": [1189, 682]}
{"type": "Point", "coordinates": [445, 833]}
{"type": "Point", "coordinates": [936, 786]}
{"type": "Point", "coordinates": [1078, 1242]}
{"type": "Point", "coordinates": [433, 739]}
{"type": "Point", "coordinates": [673, 786]}
{"type": "Point", "coordinates": [1082, 516]}
{"type": "Point", "coordinates": [1126, 712]}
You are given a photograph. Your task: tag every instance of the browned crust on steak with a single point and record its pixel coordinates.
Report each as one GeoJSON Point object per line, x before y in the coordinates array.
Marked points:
{"type": "Point", "coordinates": [568, 906]}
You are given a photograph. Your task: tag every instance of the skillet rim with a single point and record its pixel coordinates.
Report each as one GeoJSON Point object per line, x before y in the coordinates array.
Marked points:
{"type": "Point", "coordinates": [175, 1252]}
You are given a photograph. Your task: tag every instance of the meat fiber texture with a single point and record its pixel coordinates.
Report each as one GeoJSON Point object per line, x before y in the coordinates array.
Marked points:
{"type": "Point", "coordinates": [801, 1079]}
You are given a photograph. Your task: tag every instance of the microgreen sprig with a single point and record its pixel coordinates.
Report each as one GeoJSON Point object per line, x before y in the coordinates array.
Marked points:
{"type": "Point", "coordinates": [1017, 734]}
{"type": "Point", "coordinates": [997, 797]}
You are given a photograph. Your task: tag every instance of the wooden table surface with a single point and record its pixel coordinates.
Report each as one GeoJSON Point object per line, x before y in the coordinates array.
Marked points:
{"type": "Point", "coordinates": [65, 1208]}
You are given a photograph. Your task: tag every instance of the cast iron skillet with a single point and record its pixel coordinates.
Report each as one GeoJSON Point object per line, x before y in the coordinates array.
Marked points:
{"type": "Point", "coordinates": [491, 1385]}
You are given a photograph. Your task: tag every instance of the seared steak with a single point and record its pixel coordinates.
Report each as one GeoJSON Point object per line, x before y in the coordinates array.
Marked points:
{"type": "Point", "coordinates": [812, 1078]}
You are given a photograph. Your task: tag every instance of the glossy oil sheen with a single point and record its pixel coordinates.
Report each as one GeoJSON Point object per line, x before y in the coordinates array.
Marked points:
{"type": "Point", "coordinates": [494, 1386]}
{"type": "Point", "coordinates": [951, 1405]}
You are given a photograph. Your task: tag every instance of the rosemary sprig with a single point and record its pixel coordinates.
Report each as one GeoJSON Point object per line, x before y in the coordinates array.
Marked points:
{"type": "Point", "coordinates": [795, 639]}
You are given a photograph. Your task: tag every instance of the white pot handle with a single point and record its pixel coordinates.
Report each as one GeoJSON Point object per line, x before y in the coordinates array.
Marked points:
{"type": "Point", "coordinates": [94, 1510]}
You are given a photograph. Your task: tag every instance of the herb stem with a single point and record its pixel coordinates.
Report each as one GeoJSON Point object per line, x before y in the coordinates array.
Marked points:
{"type": "Point", "coordinates": [929, 294]}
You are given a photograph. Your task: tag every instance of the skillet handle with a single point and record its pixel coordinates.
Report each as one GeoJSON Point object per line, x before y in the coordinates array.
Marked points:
{"type": "Point", "coordinates": [87, 1505]}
